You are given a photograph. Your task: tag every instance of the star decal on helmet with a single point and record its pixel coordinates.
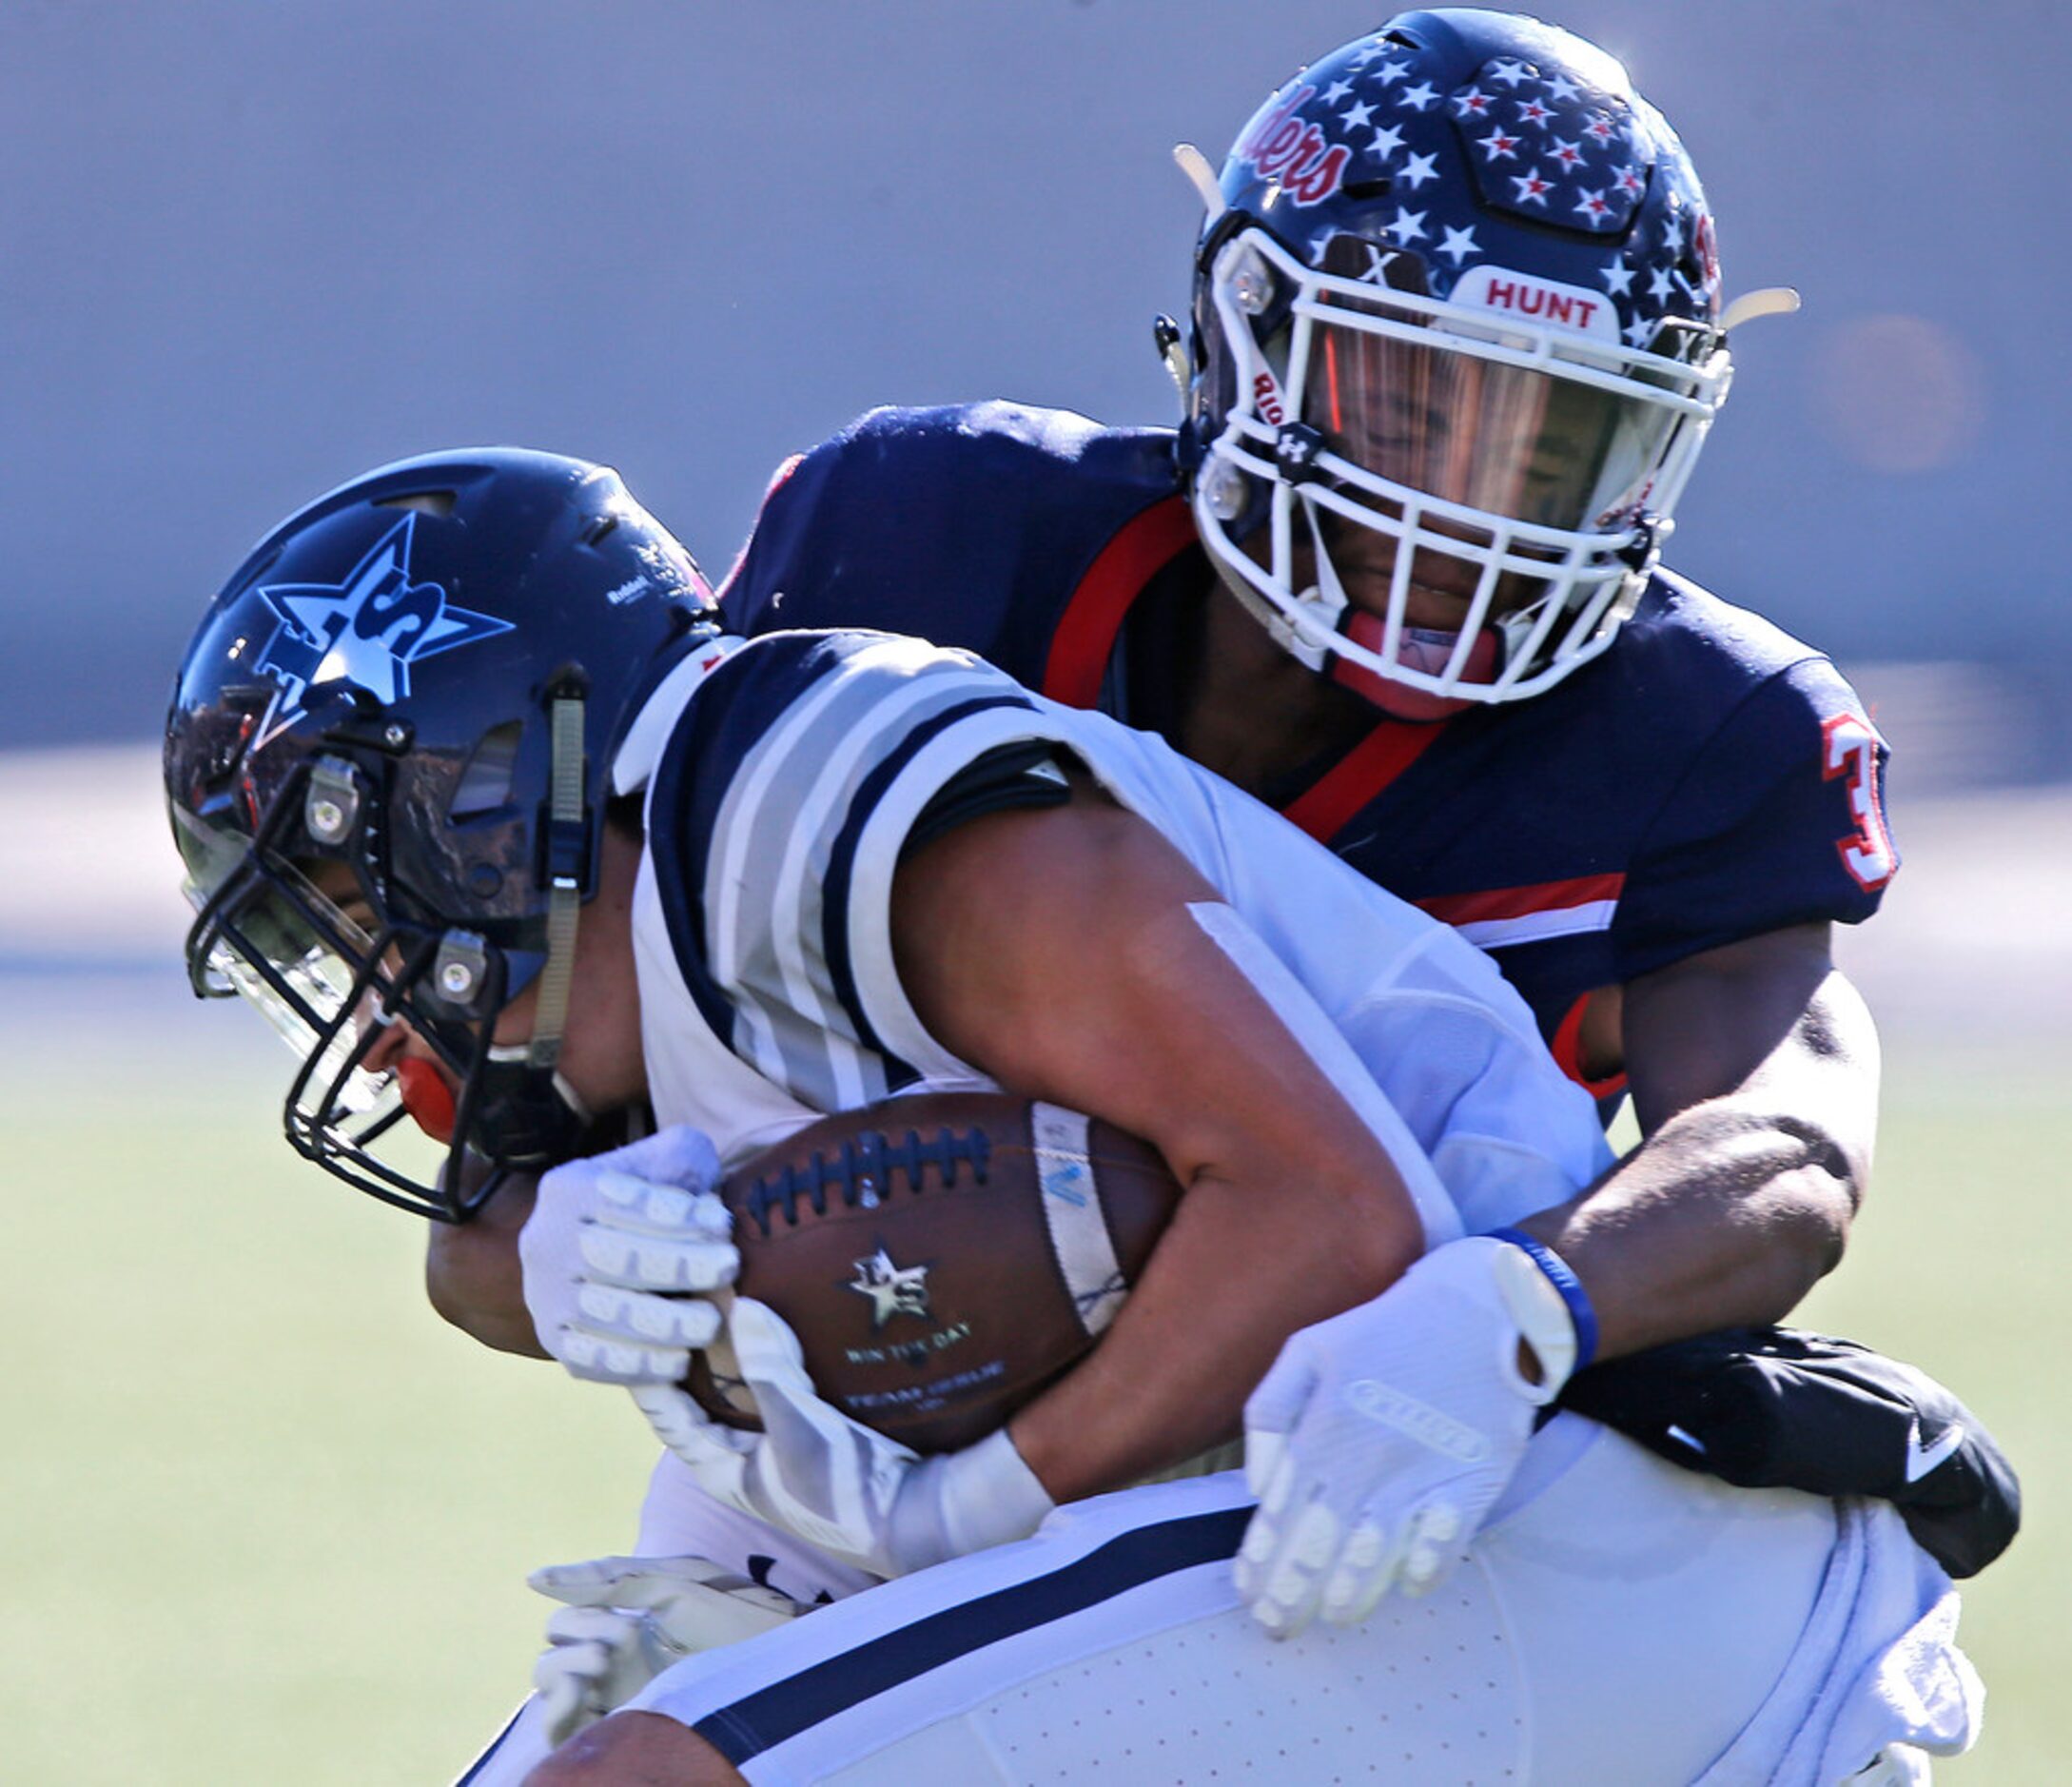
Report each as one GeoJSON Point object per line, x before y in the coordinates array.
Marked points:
{"type": "Point", "coordinates": [366, 630]}
{"type": "Point", "coordinates": [1425, 149]}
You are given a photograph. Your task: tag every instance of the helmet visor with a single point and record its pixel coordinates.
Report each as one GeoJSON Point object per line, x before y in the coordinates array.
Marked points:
{"type": "Point", "coordinates": [1418, 408]}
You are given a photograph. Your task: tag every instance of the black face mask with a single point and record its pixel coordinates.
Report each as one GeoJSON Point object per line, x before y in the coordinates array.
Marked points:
{"type": "Point", "coordinates": [332, 989]}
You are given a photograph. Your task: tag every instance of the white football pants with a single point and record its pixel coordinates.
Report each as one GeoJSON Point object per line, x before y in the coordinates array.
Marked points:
{"type": "Point", "coordinates": [1619, 1621]}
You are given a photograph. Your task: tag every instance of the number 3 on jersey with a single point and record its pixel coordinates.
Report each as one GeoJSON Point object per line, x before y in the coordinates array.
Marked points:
{"type": "Point", "coordinates": [1852, 746]}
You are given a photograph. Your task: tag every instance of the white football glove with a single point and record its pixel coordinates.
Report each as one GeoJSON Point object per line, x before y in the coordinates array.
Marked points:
{"type": "Point", "coordinates": [1381, 1438]}
{"type": "Point", "coordinates": [612, 1244]}
{"type": "Point", "coordinates": [629, 1618]}
{"type": "Point", "coordinates": [833, 1482]}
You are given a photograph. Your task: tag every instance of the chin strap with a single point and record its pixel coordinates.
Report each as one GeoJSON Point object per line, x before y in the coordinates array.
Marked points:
{"type": "Point", "coordinates": [567, 863]}
{"type": "Point", "coordinates": [1165, 336]}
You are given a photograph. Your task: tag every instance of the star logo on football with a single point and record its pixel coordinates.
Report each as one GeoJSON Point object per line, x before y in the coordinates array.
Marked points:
{"type": "Point", "coordinates": [366, 630]}
{"type": "Point", "coordinates": [893, 1289]}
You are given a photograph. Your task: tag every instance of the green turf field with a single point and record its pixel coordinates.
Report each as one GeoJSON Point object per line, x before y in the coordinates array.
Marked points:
{"type": "Point", "coordinates": [266, 1518]}
{"type": "Point", "coordinates": [1957, 1265]}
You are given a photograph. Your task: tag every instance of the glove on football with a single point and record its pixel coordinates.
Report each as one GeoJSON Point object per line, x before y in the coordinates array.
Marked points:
{"type": "Point", "coordinates": [833, 1482]}
{"type": "Point", "coordinates": [629, 1618]}
{"type": "Point", "coordinates": [1380, 1438]}
{"type": "Point", "coordinates": [613, 1243]}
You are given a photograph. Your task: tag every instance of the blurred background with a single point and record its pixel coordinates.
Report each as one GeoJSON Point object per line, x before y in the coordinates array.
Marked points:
{"type": "Point", "coordinates": [264, 1519]}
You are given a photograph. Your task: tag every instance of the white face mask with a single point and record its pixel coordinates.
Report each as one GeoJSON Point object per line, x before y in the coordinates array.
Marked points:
{"type": "Point", "coordinates": [1460, 500]}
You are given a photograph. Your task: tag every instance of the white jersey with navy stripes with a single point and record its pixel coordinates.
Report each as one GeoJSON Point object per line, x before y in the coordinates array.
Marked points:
{"type": "Point", "coordinates": [1617, 1620]}
{"type": "Point", "coordinates": [783, 777]}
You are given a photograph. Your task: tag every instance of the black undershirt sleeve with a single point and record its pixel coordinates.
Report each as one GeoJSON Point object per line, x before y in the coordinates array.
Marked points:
{"type": "Point", "coordinates": [1028, 774]}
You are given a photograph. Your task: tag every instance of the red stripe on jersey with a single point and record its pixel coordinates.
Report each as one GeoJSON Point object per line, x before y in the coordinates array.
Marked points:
{"type": "Point", "coordinates": [1324, 808]}
{"type": "Point", "coordinates": [1141, 547]}
{"type": "Point", "coordinates": [1521, 902]}
{"type": "Point", "coordinates": [1566, 1049]}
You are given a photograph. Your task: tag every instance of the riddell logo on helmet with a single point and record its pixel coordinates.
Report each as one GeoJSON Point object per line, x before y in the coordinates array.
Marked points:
{"type": "Point", "coordinates": [1290, 149]}
{"type": "Point", "coordinates": [1543, 301]}
{"type": "Point", "coordinates": [1266, 399]}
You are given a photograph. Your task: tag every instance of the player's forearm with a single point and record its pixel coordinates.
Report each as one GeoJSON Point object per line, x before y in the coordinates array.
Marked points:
{"type": "Point", "coordinates": [1754, 1072]}
{"type": "Point", "coordinates": [1241, 1269]}
{"type": "Point", "coordinates": [1725, 1216]}
{"type": "Point", "coordinates": [472, 1275]}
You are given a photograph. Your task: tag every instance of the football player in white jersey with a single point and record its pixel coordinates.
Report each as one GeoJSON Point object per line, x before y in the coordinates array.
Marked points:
{"type": "Point", "coordinates": [399, 761]}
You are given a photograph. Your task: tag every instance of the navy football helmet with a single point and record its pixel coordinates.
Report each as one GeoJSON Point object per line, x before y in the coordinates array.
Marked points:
{"type": "Point", "coordinates": [387, 762]}
{"type": "Point", "coordinates": [1456, 343]}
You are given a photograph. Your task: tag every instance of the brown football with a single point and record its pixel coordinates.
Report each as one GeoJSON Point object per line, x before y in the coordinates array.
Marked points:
{"type": "Point", "coordinates": [941, 1257]}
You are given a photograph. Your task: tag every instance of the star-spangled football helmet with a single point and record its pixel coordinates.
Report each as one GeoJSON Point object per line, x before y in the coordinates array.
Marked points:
{"type": "Point", "coordinates": [387, 763]}
{"type": "Point", "coordinates": [1456, 343]}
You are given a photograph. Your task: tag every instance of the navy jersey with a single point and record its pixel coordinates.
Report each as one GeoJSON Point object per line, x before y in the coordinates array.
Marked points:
{"type": "Point", "coordinates": [1707, 779]}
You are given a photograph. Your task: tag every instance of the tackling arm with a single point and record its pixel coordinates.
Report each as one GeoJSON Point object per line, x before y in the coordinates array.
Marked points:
{"type": "Point", "coordinates": [1754, 1069]}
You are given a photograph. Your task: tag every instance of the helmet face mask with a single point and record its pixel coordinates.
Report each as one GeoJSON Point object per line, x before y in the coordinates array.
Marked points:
{"type": "Point", "coordinates": [1441, 434]}
{"type": "Point", "coordinates": [267, 930]}
{"type": "Point", "coordinates": [381, 828]}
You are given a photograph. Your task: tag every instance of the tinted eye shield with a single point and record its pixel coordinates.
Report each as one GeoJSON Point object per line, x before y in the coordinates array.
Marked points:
{"type": "Point", "coordinates": [1561, 436]}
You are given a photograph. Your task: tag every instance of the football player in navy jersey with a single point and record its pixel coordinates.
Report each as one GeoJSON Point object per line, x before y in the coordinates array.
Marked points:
{"type": "Point", "coordinates": [1458, 338]}
{"type": "Point", "coordinates": [479, 805]}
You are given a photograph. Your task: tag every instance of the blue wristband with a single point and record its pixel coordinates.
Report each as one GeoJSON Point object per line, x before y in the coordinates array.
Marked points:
{"type": "Point", "coordinates": [1567, 1284]}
